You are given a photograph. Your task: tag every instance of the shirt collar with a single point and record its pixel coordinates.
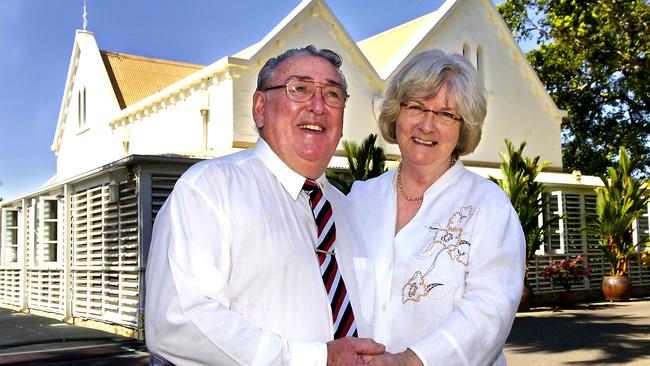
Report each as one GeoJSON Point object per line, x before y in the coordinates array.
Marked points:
{"type": "Point", "coordinates": [447, 178]}
{"type": "Point", "coordinates": [290, 180]}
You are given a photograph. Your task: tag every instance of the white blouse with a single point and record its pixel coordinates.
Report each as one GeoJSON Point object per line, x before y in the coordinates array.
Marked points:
{"type": "Point", "coordinates": [450, 281]}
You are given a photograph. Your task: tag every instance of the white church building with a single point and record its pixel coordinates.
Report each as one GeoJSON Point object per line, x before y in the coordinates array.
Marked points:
{"type": "Point", "coordinates": [129, 126]}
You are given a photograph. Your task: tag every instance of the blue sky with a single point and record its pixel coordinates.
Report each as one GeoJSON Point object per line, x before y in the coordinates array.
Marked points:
{"type": "Point", "coordinates": [36, 38]}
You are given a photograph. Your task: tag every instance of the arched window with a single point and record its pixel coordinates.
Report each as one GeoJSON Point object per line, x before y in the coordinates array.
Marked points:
{"type": "Point", "coordinates": [467, 51]}
{"type": "Point", "coordinates": [81, 108]}
{"type": "Point", "coordinates": [480, 62]}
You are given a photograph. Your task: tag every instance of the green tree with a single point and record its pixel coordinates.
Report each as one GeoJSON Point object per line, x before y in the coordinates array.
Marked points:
{"type": "Point", "coordinates": [593, 56]}
{"type": "Point", "coordinates": [518, 181]}
{"type": "Point", "coordinates": [622, 199]}
{"type": "Point", "coordinates": [365, 161]}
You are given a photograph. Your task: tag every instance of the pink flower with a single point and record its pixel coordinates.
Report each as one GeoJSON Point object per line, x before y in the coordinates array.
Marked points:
{"type": "Point", "coordinates": [566, 272]}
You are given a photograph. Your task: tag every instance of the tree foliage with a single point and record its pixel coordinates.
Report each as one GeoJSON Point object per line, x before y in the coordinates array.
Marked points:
{"type": "Point", "coordinates": [364, 162]}
{"type": "Point", "coordinates": [593, 58]}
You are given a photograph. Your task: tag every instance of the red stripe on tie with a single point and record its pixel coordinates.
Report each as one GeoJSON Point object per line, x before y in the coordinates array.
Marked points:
{"type": "Point", "coordinates": [329, 269]}
{"type": "Point", "coordinates": [324, 221]}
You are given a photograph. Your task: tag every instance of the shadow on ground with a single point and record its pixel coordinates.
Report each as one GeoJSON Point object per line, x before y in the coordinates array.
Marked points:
{"type": "Point", "coordinates": [33, 340]}
{"type": "Point", "coordinates": [617, 336]}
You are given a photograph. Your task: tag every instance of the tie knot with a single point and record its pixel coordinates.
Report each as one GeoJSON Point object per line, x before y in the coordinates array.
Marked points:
{"type": "Point", "coordinates": [310, 186]}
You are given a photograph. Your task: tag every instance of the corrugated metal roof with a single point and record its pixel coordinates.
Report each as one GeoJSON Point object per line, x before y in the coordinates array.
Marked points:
{"type": "Point", "coordinates": [135, 77]}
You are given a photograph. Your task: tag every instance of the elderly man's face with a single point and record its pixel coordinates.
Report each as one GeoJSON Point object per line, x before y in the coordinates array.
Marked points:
{"type": "Point", "coordinates": [303, 134]}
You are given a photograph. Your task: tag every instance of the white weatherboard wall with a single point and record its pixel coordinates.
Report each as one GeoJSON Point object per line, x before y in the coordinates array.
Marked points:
{"type": "Point", "coordinates": [176, 128]}
{"type": "Point", "coordinates": [221, 101]}
{"type": "Point", "coordinates": [171, 122]}
{"type": "Point", "coordinates": [518, 107]}
{"type": "Point", "coordinates": [84, 148]}
{"type": "Point", "coordinates": [314, 24]}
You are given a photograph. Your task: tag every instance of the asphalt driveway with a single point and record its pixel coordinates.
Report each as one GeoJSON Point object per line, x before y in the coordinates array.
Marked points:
{"type": "Point", "coordinates": [34, 340]}
{"type": "Point", "coordinates": [589, 334]}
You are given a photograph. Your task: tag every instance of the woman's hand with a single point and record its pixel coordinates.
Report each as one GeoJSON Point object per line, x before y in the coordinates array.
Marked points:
{"type": "Point", "coordinates": [406, 358]}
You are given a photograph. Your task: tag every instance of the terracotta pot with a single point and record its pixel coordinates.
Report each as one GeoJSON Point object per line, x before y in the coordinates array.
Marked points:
{"type": "Point", "coordinates": [616, 288]}
{"type": "Point", "coordinates": [568, 298]}
{"type": "Point", "coordinates": [526, 296]}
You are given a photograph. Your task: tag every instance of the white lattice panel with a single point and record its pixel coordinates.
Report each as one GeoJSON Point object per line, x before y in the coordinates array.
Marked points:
{"type": "Point", "coordinates": [10, 291]}
{"type": "Point", "coordinates": [45, 290]}
{"type": "Point", "coordinates": [105, 271]}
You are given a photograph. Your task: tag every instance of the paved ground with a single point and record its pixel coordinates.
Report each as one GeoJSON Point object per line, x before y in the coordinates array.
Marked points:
{"type": "Point", "coordinates": [34, 340]}
{"type": "Point", "coordinates": [589, 334]}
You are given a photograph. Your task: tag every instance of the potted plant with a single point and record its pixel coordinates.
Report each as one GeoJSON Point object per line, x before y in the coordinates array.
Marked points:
{"type": "Point", "coordinates": [619, 202]}
{"type": "Point", "coordinates": [566, 273]}
{"type": "Point", "coordinates": [518, 181]}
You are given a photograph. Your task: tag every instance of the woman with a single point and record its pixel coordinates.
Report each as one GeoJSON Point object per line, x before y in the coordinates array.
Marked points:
{"type": "Point", "coordinates": [448, 246]}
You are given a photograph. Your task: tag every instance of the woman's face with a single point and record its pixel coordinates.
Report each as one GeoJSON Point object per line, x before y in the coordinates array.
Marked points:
{"type": "Point", "coordinates": [428, 130]}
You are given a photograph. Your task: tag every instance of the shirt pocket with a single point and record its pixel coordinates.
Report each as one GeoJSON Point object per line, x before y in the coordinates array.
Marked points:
{"type": "Point", "coordinates": [365, 275]}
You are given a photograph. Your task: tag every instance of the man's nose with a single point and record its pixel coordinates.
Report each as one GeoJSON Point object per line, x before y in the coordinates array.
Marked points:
{"type": "Point", "coordinates": [317, 102]}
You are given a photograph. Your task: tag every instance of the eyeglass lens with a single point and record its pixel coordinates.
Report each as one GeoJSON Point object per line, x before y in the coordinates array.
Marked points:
{"type": "Point", "coordinates": [418, 111]}
{"type": "Point", "coordinates": [303, 90]}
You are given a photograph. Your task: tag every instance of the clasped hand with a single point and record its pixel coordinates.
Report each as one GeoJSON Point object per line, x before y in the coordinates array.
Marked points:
{"type": "Point", "coordinates": [365, 351]}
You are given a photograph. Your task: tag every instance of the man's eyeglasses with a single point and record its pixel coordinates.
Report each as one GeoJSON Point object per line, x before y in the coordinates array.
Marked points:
{"type": "Point", "coordinates": [303, 90]}
{"type": "Point", "coordinates": [418, 111]}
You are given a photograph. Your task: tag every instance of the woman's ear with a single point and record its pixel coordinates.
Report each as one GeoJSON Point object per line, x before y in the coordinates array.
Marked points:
{"type": "Point", "coordinates": [259, 101]}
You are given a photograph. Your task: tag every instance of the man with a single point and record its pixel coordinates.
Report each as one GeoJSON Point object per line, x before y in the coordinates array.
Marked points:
{"type": "Point", "coordinates": [237, 274]}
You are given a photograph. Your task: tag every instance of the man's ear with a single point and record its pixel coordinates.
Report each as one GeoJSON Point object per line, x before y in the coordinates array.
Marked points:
{"type": "Point", "coordinates": [259, 103]}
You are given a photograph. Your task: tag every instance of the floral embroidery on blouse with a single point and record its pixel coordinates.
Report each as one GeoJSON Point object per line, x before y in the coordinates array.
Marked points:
{"type": "Point", "coordinates": [450, 239]}
{"type": "Point", "coordinates": [416, 288]}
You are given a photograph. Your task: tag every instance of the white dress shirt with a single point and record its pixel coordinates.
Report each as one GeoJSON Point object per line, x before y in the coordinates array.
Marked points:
{"type": "Point", "coordinates": [450, 281]}
{"type": "Point", "coordinates": [232, 276]}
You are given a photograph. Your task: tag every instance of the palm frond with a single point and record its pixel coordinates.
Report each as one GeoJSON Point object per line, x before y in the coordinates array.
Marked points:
{"type": "Point", "coordinates": [365, 161]}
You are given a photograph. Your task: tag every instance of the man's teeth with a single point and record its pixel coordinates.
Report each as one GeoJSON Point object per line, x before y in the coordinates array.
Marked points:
{"type": "Point", "coordinates": [311, 127]}
{"type": "Point", "coordinates": [420, 141]}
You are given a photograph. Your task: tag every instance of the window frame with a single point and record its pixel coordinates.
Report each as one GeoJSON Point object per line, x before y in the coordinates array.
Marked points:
{"type": "Point", "coordinates": [42, 242]}
{"type": "Point", "coordinates": [18, 227]}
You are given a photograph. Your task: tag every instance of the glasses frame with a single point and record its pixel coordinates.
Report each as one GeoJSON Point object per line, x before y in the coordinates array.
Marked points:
{"type": "Point", "coordinates": [316, 84]}
{"type": "Point", "coordinates": [440, 114]}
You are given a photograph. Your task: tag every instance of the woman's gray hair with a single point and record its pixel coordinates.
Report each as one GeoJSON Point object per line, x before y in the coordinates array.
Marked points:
{"type": "Point", "coordinates": [268, 70]}
{"type": "Point", "coordinates": [422, 77]}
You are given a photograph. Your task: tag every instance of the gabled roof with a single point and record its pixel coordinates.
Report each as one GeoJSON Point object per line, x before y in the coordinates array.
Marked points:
{"type": "Point", "coordinates": [135, 77]}
{"type": "Point", "coordinates": [381, 48]}
{"type": "Point", "coordinates": [307, 11]}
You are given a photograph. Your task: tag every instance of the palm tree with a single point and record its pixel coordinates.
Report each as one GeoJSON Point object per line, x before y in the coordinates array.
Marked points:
{"type": "Point", "coordinates": [364, 162]}
{"type": "Point", "coordinates": [622, 199]}
{"type": "Point", "coordinates": [525, 194]}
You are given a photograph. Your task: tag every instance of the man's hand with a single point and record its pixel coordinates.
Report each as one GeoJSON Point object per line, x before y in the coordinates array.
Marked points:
{"type": "Point", "coordinates": [349, 351]}
{"type": "Point", "coordinates": [406, 358]}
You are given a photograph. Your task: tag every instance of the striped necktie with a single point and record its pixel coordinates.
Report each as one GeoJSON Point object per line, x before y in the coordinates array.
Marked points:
{"type": "Point", "coordinates": [342, 315]}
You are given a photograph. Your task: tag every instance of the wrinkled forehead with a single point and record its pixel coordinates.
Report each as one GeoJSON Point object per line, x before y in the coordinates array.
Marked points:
{"type": "Point", "coordinates": [307, 67]}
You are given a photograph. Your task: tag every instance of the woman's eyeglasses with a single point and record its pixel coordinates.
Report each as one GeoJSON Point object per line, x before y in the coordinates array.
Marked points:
{"type": "Point", "coordinates": [418, 111]}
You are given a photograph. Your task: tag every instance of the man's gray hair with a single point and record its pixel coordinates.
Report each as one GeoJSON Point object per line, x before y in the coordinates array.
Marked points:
{"type": "Point", "coordinates": [268, 70]}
